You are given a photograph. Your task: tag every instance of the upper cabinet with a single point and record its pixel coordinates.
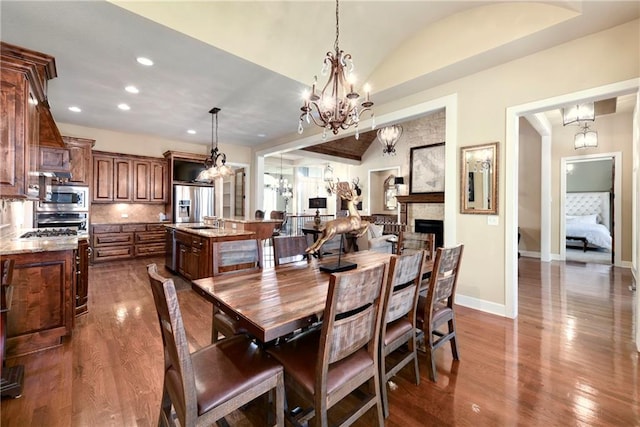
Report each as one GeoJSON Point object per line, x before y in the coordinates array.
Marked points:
{"type": "Point", "coordinates": [23, 102]}
{"type": "Point", "coordinates": [80, 159]}
{"type": "Point", "coordinates": [122, 178]}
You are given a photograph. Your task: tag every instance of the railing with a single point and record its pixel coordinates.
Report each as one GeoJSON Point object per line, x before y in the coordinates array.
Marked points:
{"type": "Point", "coordinates": [293, 226]}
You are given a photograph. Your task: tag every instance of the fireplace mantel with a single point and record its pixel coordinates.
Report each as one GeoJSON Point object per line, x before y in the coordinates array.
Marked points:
{"type": "Point", "coordinates": [417, 198]}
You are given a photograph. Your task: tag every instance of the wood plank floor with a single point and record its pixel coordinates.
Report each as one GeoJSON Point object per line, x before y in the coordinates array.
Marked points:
{"type": "Point", "coordinates": [569, 358]}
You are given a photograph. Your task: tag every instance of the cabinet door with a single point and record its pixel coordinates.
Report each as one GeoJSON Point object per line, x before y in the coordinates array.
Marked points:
{"type": "Point", "coordinates": [102, 179]}
{"type": "Point", "coordinates": [13, 122]}
{"type": "Point", "coordinates": [141, 177]}
{"type": "Point", "coordinates": [82, 276]}
{"type": "Point", "coordinates": [122, 173]}
{"type": "Point", "coordinates": [54, 160]}
{"type": "Point", "coordinates": [80, 159]}
{"type": "Point", "coordinates": [159, 182]}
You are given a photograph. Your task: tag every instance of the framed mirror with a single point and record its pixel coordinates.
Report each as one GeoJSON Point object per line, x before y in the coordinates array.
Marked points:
{"type": "Point", "coordinates": [390, 192]}
{"type": "Point", "coordinates": [479, 179]}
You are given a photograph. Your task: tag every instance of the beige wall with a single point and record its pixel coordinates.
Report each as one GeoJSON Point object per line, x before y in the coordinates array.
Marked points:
{"type": "Point", "coordinates": [529, 179]}
{"type": "Point", "coordinates": [482, 100]}
{"type": "Point", "coordinates": [614, 135]}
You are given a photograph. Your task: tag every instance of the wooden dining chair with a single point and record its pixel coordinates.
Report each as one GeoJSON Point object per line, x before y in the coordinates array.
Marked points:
{"type": "Point", "coordinates": [399, 325]}
{"type": "Point", "coordinates": [207, 385]}
{"type": "Point", "coordinates": [235, 257]}
{"type": "Point", "coordinates": [437, 309]}
{"type": "Point", "coordinates": [410, 242]}
{"type": "Point", "coordinates": [323, 367]}
{"type": "Point", "coordinates": [289, 249]}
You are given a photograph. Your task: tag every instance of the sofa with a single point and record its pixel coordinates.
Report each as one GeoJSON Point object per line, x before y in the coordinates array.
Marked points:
{"type": "Point", "coordinates": [375, 240]}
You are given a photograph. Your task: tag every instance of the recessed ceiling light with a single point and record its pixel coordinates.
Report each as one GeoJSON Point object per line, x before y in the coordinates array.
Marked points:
{"type": "Point", "coordinates": [124, 107]}
{"type": "Point", "coordinates": [191, 131]}
{"type": "Point", "coordinates": [75, 109]}
{"type": "Point", "coordinates": [144, 61]}
{"type": "Point", "coordinates": [132, 89]}
{"type": "Point", "coordinates": [261, 135]}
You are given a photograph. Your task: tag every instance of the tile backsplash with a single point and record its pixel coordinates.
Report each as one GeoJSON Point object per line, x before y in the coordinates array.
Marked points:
{"type": "Point", "coordinates": [15, 215]}
{"type": "Point", "coordinates": [125, 212]}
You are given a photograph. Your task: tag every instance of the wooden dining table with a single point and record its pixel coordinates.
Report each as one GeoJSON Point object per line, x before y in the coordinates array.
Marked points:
{"type": "Point", "coordinates": [277, 301]}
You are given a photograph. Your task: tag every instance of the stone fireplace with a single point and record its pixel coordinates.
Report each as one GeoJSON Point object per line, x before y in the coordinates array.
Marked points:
{"type": "Point", "coordinates": [435, 226]}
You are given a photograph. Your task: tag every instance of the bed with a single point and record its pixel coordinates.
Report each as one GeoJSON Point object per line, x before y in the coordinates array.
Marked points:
{"type": "Point", "coordinates": [588, 220]}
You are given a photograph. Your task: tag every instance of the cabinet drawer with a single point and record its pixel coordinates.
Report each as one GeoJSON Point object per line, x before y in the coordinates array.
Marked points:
{"type": "Point", "coordinates": [110, 253]}
{"type": "Point", "coordinates": [150, 236]}
{"type": "Point", "coordinates": [156, 227]}
{"type": "Point", "coordinates": [110, 239]}
{"type": "Point", "coordinates": [150, 249]}
{"type": "Point", "coordinates": [134, 227]}
{"type": "Point", "coordinates": [107, 228]}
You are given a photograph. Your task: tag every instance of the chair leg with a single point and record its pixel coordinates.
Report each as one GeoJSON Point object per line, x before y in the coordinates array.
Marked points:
{"type": "Point", "coordinates": [214, 331]}
{"type": "Point", "coordinates": [454, 342]}
{"type": "Point", "coordinates": [431, 361]}
{"type": "Point", "coordinates": [165, 419]}
{"type": "Point", "coordinates": [413, 347]}
{"type": "Point", "coordinates": [383, 391]}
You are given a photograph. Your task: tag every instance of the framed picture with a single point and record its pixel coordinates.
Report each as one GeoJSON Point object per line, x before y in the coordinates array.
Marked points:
{"type": "Point", "coordinates": [426, 174]}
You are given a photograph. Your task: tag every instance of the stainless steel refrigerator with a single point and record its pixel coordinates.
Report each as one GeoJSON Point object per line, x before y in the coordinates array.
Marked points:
{"type": "Point", "coordinates": [191, 203]}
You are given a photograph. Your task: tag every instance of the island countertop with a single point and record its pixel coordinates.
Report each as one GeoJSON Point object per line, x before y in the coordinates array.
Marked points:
{"type": "Point", "coordinates": [12, 244]}
{"type": "Point", "coordinates": [209, 231]}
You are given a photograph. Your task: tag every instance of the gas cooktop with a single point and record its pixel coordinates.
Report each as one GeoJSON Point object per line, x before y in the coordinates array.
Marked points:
{"type": "Point", "coordinates": [43, 233]}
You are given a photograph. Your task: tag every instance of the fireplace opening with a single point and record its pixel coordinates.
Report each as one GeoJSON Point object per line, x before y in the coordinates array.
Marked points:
{"type": "Point", "coordinates": [435, 226]}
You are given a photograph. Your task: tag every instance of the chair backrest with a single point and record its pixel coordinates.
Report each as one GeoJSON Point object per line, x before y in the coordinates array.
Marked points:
{"type": "Point", "coordinates": [259, 214]}
{"type": "Point", "coordinates": [237, 256]}
{"type": "Point", "coordinates": [352, 317]}
{"type": "Point", "coordinates": [178, 368]}
{"type": "Point", "coordinates": [403, 286]}
{"type": "Point", "coordinates": [411, 242]}
{"type": "Point", "coordinates": [289, 248]}
{"type": "Point", "coordinates": [444, 278]}
{"type": "Point", "coordinates": [278, 215]}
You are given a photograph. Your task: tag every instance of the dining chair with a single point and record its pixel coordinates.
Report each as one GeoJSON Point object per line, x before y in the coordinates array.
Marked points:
{"type": "Point", "coordinates": [411, 241]}
{"type": "Point", "coordinates": [207, 385]}
{"type": "Point", "coordinates": [234, 257]}
{"type": "Point", "coordinates": [437, 307]}
{"type": "Point", "coordinates": [399, 325]}
{"type": "Point", "coordinates": [289, 249]}
{"type": "Point", "coordinates": [325, 366]}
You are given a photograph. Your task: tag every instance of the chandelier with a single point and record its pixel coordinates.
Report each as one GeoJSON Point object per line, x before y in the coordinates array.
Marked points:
{"type": "Point", "coordinates": [215, 164]}
{"type": "Point", "coordinates": [586, 138]}
{"type": "Point", "coordinates": [284, 188]}
{"type": "Point", "coordinates": [336, 106]}
{"type": "Point", "coordinates": [388, 137]}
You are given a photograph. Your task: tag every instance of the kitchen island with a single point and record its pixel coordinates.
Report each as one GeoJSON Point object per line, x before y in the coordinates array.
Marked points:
{"type": "Point", "coordinates": [189, 247]}
{"type": "Point", "coordinates": [262, 227]}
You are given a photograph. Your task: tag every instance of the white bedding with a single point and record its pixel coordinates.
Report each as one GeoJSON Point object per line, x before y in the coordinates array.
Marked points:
{"type": "Point", "coordinates": [596, 234]}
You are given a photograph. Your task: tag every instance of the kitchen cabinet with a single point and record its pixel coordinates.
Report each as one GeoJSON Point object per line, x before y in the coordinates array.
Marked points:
{"type": "Point", "coordinates": [42, 307]}
{"type": "Point", "coordinates": [54, 160]}
{"type": "Point", "coordinates": [22, 89]}
{"type": "Point", "coordinates": [193, 252]}
{"type": "Point", "coordinates": [82, 276]}
{"type": "Point", "coordinates": [80, 159]}
{"type": "Point", "coordinates": [123, 241]}
{"type": "Point", "coordinates": [124, 179]}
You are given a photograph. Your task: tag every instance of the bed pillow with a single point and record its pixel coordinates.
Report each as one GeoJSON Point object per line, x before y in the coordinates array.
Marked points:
{"type": "Point", "coordinates": [583, 219]}
{"type": "Point", "coordinates": [376, 230]}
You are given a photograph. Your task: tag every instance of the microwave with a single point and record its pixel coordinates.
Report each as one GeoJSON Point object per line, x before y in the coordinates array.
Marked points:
{"type": "Point", "coordinates": [64, 198]}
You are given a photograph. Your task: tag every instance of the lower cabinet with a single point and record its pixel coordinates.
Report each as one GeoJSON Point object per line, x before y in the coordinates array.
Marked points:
{"type": "Point", "coordinates": [122, 241]}
{"type": "Point", "coordinates": [82, 276]}
{"type": "Point", "coordinates": [42, 304]}
{"type": "Point", "coordinates": [193, 255]}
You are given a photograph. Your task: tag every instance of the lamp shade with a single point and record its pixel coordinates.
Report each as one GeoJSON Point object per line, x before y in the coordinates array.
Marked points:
{"type": "Point", "coordinates": [318, 203]}
{"type": "Point", "coordinates": [578, 113]}
{"type": "Point", "coordinates": [399, 180]}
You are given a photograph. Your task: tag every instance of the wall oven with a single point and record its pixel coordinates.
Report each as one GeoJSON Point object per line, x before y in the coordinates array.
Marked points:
{"type": "Point", "coordinates": [63, 198]}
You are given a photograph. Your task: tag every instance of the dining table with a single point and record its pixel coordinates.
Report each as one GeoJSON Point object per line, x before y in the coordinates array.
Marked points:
{"type": "Point", "coordinates": [277, 301]}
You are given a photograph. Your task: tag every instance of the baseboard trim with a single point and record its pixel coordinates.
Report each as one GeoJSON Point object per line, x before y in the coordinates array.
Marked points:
{"type": "Point", "coordinates": [482, 305]}
{"type": "Point", "coordinates": [530, 254]}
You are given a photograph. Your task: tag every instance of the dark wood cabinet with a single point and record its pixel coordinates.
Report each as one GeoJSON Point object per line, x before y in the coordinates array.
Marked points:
{"type": "Point", "coordinates": [121, 241]}
{"type": "Point", "coordinates": [82, 276]}
{"type": "Point", "coordinates": [80, 159]}
{"type": "Point", "coordinates": [54, 160]}
{"type": "Point", "coordinates": [126, 179]}
{"type": "Point", "coordinates": [42, 308]}
{"type": "Point", "coordinates": [193, 254]}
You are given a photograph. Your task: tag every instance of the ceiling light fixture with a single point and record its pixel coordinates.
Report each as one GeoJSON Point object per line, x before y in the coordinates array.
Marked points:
{"type": "Point", "coordinates": [586, 138]}
{"type": "Point", "coordinates": [284, 188]}
{"type": "Point", "coordinates": [132, 89]}
{"type": "Point", "coordinates": [75, 109]}
{"type": "Point", "coordinates": [191, 132]}
{"type": "Point", "coordinates": [336, 107]}
{"type": "Point", "coordinates": [215, 164]}
{"type": "Point", "coordinates": [388, 137]}
{"type": "Point", "coordinates": [124, 107]}
{"type": "Point", "coordinates": [578, 113]}
{"type": "Point", "coordinates": [144, 61]}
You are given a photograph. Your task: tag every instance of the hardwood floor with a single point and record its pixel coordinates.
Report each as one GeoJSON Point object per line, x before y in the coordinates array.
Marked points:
{"type": "Point", "coordinates": [568, 359]}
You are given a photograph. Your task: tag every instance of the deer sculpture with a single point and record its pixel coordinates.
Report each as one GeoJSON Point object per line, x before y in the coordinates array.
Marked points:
{"type": "Point", "coordinates": [351, 223]}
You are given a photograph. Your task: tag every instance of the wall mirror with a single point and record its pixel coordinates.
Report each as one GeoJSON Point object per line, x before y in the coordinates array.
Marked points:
{"type": "Point", "coordinates": [479, 179]}
{"type": "Point", "coordinates": [390, 192]}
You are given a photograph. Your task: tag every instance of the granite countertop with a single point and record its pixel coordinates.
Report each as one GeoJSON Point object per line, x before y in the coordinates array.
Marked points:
{"type": "Point", "coordinates": [127, 221]}
{"type": "Point", "coordinates": [209, 231]}
{"type": "Point", "coordinates": [13, 245]}
{"type": "Point", "coordinates": [250, 221]}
